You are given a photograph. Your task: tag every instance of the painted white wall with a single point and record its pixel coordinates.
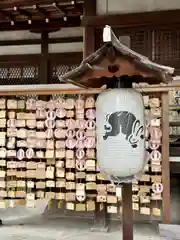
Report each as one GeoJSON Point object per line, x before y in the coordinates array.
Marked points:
{"type": "Point", "coordinates": [36, 49]}
{"type": "Point", "coordinates": [66, 47]}
{"type": "Point", "coordinates": [129, 6]}
{"type": "Point", "coordinates": [20, 35]}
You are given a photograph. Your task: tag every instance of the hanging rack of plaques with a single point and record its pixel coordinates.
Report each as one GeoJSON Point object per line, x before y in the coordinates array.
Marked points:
{"type": "Point", "coordinates": [150, 185]}
{"type": "Point", "coordinates": [48, 151]}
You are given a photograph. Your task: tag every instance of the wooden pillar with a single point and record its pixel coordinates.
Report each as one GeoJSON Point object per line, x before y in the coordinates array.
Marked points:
{"type": "Point", "coordinates": [89, 32]}
{"type": "Point", "coordinates": [44, 64]}
{"type": "Point", "coordinates": [166, 204]}
{"type": "Point", "coordinates": [100, 223]}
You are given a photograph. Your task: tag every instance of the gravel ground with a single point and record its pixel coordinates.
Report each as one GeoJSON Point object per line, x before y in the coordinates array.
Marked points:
{"type": "Point", "coordinates": [26, 224]}
{"type": "Point", "coordinates": [70, 230]}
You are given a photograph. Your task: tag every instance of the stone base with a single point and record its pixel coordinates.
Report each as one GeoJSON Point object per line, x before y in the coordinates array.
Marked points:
{"type": "Point", "coordinates": [169, 231]}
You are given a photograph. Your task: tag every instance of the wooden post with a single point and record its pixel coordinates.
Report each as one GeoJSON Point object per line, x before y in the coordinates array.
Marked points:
{"type": "Point", "coordinates": [89, 32]}
{"type": "Point", "coordinates": [127, 212]}
{"type": "Point", "coordinates": [100, 223]}
{"type": "Point", "coordinates": [166, 204]}
{"type": "Point", "coordinates": [44, 64]}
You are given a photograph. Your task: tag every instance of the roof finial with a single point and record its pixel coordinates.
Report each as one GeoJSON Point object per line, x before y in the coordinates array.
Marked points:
{"type": "Point", "coordinates": [107, 34]}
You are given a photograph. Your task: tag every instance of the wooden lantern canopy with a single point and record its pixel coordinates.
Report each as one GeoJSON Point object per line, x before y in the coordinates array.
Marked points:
{"type": "Point", "coordinates": [112, 60]}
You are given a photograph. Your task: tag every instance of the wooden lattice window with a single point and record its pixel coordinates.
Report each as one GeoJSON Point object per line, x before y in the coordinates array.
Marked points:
{"type": "Point", "coordinates": [177, 72]}
{"type": "Point", "coordinates": [166, 45]}
{"type": "Point", "coordinates": [140, 42]}
{"type": "Point", "coordinates": [58, 70]}
{"type": "Point", "coordinates": [160, 45]}
{"type": "Point", "coordinates": [19, 75]}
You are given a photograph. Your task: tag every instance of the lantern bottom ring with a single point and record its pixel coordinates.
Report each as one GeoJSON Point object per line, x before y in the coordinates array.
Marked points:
{"type": "Point", "coordinates": [120, 180]}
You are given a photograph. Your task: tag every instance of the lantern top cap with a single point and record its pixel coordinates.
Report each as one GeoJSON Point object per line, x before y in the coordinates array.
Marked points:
{"type": "Point", "coordinates": [112, 42]}
{"type": "Point", "coordinates": [107, 34]}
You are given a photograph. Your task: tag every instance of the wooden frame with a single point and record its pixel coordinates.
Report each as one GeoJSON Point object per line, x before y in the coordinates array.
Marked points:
{"type": "Point", "coordinates": [166, 203]}
{"type": "Point", "coordinates": [67, 89]}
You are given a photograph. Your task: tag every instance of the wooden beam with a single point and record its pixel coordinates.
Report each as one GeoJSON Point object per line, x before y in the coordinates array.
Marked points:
{"type": "Point", "coordinates": [58, 23]}
{"type": "Point", "coordinates": [166, 202]}
{"type": "Point", "coordinates": [10, 90]}
{"type": "Point", "coordinates": [49, 92]}
{"type": "Point", "coordinates": [56, 88]}
{"type": "Point", "coordinates": [59, 8]}
{"type": "Point", "coordinates": [42, 12]}
{"type": "Point", "coordinates": [89, 48]}
{"type": "Point", "coordinates": [23, 12]}
{"type": "Point", "coordinates": [9, 16]}
{"type": "Point", "coordinates": [7, 61]}
{"type": "Point", "coordinates": [134, 19]}
{"type": "Point", "coordinates": [100, 217]}
{"type": "Point", "coordinates": [28, 3]}
{"type": "Point", "coordinates": [38, 41]}
{"type": "Point", "coordinates": [88, 32]}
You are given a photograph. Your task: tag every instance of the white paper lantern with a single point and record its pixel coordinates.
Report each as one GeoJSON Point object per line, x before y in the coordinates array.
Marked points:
{"type": "Point", "coordinates": [120, 133]}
